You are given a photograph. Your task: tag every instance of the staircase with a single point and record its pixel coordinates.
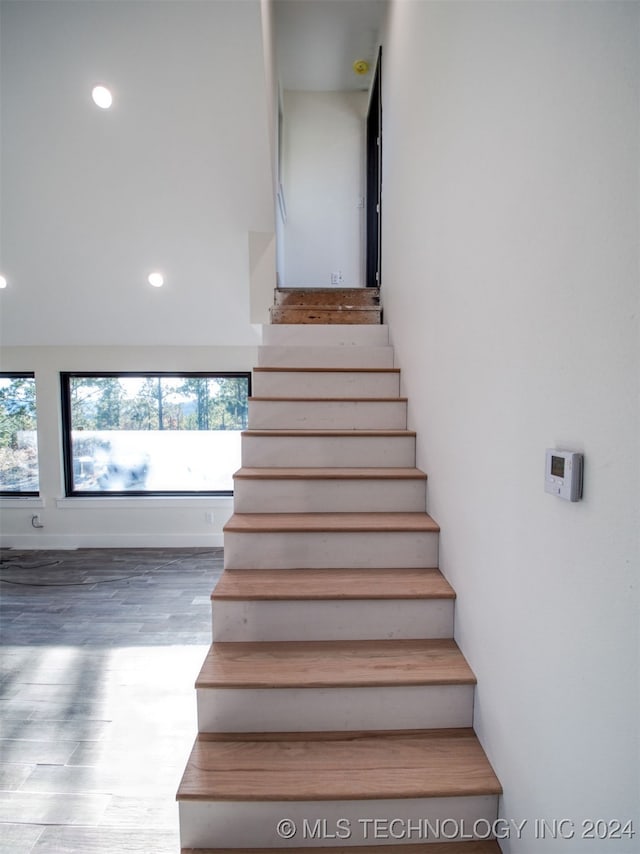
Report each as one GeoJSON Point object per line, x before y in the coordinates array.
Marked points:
{"type": "Point", "coordinates": [335, 709]}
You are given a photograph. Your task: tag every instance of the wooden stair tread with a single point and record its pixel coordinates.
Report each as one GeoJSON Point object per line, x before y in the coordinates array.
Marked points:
{"type": "Point", "coordinates": [329, 399]}
{"type": "Point", "coordinates": [340, 433]}
{"type": "Point", "coordinates": [351, 766]}
{"type": "Point", "coordinates": [467, 847]}
{"type": "Point", "coordinates": [320, 664]}
{"type": "Point", "coordinates": [260, 523]}
{"type": "Point", "coordinates": [317, 370]}
{"type": "Point", "coordinates": [326, 473]}
{"type": "Point", "coordinates": [294, 584]}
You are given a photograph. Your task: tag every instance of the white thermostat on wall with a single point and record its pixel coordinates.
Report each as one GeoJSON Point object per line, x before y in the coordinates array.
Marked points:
{"type": "Point", "coordinates": [563, 474]}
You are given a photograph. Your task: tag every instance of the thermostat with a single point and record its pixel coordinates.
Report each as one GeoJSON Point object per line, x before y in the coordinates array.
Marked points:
{"type": "Point", "coordinates": [563, 474]}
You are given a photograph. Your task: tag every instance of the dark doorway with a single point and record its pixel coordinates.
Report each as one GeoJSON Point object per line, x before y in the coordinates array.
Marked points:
{"type": "Point", "coordinates": [374, 179]}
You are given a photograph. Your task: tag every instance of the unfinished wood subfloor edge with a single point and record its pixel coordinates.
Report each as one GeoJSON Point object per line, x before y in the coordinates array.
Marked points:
{"type": "Point", "coordinates": [326, 315]}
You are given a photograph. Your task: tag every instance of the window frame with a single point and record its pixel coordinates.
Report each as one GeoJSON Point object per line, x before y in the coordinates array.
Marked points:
{"type": "Point", "coordinates": [67, 443]}
{"type": "Point", "coordinates": [8, 493]}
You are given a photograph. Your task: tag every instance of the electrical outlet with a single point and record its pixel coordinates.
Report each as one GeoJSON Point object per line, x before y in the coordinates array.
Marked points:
{"type": "Point", "coordinates": [208, 517]}
{"type": "Point", "coordinates": [336, 278]}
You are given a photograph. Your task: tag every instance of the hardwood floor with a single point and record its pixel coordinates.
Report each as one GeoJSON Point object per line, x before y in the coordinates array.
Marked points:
{"type": "Point", "coordinates": [100, 651]}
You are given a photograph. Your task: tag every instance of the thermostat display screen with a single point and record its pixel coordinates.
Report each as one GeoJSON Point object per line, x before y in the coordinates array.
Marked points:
{"type": "Point", "coordinates": [557, 466]}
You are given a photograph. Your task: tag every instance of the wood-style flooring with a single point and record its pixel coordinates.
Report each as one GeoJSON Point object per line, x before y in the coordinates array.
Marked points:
{"type": "Point", "coordinates": [100, 651]}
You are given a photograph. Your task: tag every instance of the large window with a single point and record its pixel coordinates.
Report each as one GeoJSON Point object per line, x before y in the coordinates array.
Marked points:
{"type": "Point", "coordinates": [18, 438]}
{"type": "Point", "coordinates": [153, 433]}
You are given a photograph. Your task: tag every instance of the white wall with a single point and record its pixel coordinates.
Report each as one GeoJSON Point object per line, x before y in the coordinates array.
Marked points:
{"type": "Point", "coordinates": [323, 181]}
{"type": "Point", "coordinates": [108, 521]}
{"type": "Point", "coordinates": [510, 270]}
{"type": "Point", "coordinates": [173, 177]}
{"type": "Point", "coordinates": [176, 177]}
{"type": "Point", "coordinates": [262, 245]}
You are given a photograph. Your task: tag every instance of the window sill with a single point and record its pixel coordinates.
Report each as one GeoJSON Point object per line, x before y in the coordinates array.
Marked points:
{"type": "Point", "coordinates": [125, 502]}
{"type": "Point", "coordinates": [20, 503]}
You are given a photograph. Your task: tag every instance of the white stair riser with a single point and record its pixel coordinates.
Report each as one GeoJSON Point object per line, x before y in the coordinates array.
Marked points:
{"type": "Point", "coordinates": [327, 415]}
{"type": "Point", "coordinates": [325, 384]}
{"type": "Point", "coordinates": [357, 619]}
{"type": "Point", "coordinates": [331, 549]}
{"type": "Point", "coordinates": [331, 451]}
{"type": "Point", "coordinates": [329, 496]}
{"type": "Point", "coordinates": [205, 824]}
{"type": "Point", "coordinates": [334, 709]}
{"type": "Point", "coordinates": [325, 335]}
{"type": "Point", "coordinates": [325, 357]}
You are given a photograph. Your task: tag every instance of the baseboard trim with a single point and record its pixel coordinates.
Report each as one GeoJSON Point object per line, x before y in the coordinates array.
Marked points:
{"type": "Point", "coordinates": [105, 541]}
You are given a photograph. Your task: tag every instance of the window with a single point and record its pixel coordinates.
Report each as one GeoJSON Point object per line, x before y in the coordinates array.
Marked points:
{"type": "Point", "coordinates": [18, 437]}
{"type": "Point", "coordinates": [153, 433]}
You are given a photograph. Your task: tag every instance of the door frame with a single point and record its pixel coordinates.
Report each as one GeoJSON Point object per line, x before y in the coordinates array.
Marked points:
{"type": "Point", "coordinates": [373, 275]}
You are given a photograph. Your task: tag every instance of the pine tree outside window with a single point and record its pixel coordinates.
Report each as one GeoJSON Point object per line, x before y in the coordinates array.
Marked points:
{"type": "Point", "coordinates": [19, 474]}
{"type": "Point", "coordinates": [153, 433]}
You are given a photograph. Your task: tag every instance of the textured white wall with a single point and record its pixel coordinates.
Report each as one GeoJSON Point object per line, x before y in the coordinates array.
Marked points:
{"type": "Point", "coordinates": [173, 177]}
{"type": "Point", "coordinates": [510, 270]}
{"type": "Point", "coordinates": [323, 180]}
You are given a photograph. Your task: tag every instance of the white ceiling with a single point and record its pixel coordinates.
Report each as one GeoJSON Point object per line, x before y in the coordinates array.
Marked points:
{"type": "Point", "coordinates": [172, 178]}
{"type": "Point", "coordinates": [317, 42]}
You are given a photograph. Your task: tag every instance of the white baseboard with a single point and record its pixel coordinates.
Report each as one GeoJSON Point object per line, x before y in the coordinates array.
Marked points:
{"type": "Point", "coordinates": [106, 541]}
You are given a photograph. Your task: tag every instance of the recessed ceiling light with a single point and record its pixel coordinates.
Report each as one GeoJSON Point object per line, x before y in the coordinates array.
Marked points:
{"type": "Point", "coordinates": [102, 97]}
{"type": "Point", "coordinates": [3, 282]}
{"type": "Point", "coordinates": [156, 280]}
